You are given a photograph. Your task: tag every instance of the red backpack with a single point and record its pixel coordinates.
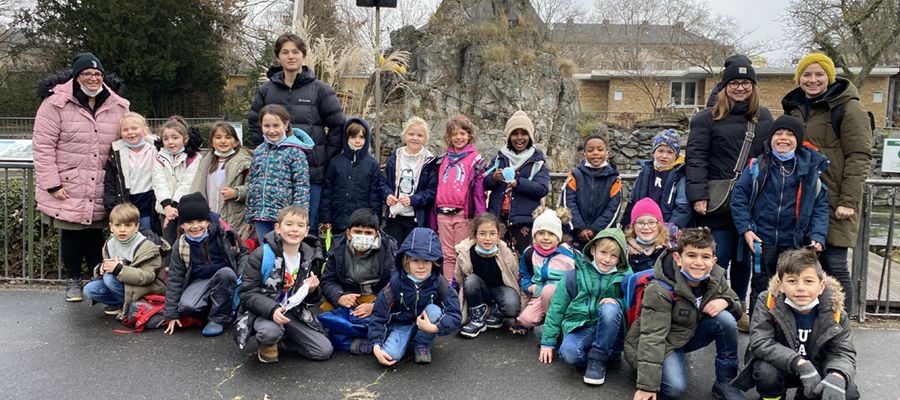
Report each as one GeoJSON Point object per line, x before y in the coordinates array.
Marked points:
{"type": "Point", "coordinates": [633, 287]}
{"type": "Point", "coordinates": [147, 313]}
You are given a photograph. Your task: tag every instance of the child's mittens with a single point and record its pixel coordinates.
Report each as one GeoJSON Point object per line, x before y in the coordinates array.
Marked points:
{"type": "Point", "coordinates": [831, 388]}
{"type": "Point", "coordinates": [809, 376]}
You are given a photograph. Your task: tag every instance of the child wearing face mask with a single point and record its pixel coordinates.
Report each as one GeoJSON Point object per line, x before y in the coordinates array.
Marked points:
{"type": "Point", "coordinates": [800, 335]}
{"type": "Point", "coordinates": [647, 235]}
{"type": "Point", "coordinates": [222, 177]}
{"type": "Point", "coordinates": [357, 267]}
{"type": "Point", "coordinates": [488, 276]}
{"type": "Point", "coordinates": [174, 171]}
{"type": "Point", "coordinates": [417, 305]}
{"type": "Point", "coordinates": [279, 173]}
{"type": "Point", "coordinates": [592, 191]}
{"type": "Point", "coordinates": [662, 180]}
{"type": "Point", "coordinates": [129, 171]}
{"type": "Point", "coordinates": [589, 311]}
{"type": "Point", "coordinates": [542, 266]}
{"type": "Point", "coordinates": [779, 201]}
{"type": "Point", "coordinates": [352, 180]}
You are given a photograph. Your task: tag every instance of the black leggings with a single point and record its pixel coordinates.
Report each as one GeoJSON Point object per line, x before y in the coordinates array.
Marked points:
{"type": "Point", "coordinates": [80, 245]}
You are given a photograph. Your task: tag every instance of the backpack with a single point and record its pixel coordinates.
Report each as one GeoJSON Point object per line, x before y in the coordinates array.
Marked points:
{"type": "Point", "coordinates": [268, 264]}
{"type": "Point", "coordinates": [633, 286]}
{"type": "Point", "coordinates": [147, 313]}
{"type": "Point", "coordinates": [837, 118]}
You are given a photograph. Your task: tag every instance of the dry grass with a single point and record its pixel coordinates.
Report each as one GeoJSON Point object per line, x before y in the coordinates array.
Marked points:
{"type": "Point", "coordinates": [566, 66]}
{"type": "Point", "coordinates": [496, 53]}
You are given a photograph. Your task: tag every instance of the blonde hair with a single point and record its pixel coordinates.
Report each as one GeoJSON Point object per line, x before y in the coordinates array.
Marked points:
{"type": "Point", "coordinates": [135, 116]}
{"type": "Point", "coordinates": [608, 245]}
{"type": "Point", "coordinates": [662, 234]}
{"type": "Point", "coordinates": [415, 121]}
{"type": "Point", "coordinates": [125, 213]}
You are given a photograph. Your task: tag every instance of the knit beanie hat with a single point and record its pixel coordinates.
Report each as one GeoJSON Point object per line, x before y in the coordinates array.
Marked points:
{"type": "Point", "coordinates": [790, 123]}
{"type": "Point", "coordinates": [737, 59]}
{"type": "Point", "coordinates": [520, 120]}
{"type": "Point", "coordinates": [84, 61]}
{"type": "Point", "coordinates": [738, 69]}
{"type": "Point", "coordinates": [668, 137]}
{"type": "Point", "coordinates": [816, 58]}
{"type": "Point", "coordinates": [646, 206]}
{"type": "Point", "coordinates": [548, 221]}
{"type": "Point", "coordinates": [193, 207]}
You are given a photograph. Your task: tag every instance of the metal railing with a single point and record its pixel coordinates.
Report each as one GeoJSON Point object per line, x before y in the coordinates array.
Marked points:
{"type": "Point", "coordinates": [22, 127]}
{"type": "Point", "coordinates": [31, 248]}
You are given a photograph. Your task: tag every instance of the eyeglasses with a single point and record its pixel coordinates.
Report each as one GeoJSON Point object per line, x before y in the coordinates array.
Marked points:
{"type": "Point", "coordinates": [647, 224]}
{"type": "Point", "coordinates": [88, 75]}
{"type": "Point", "coordinates": [743, 84]}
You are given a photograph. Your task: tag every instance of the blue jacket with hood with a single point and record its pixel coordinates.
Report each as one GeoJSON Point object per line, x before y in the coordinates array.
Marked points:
{"type": "Point", "coordinates": [409, 299]}
{"type": "Point", "coordinates": [351, 182]}
{"type": "Point", "coordinates": [790, 209]}
{"type": "Point", "coordinates": [594, 196]}
{"type": "Point", "coordinates": [279, 176]}
{"type": "Point", "coordinates": [422, 200]}
{"type": "Point", "coordinates": [674, 203]}
{"type": "Point", "coordinates": [531, 187]}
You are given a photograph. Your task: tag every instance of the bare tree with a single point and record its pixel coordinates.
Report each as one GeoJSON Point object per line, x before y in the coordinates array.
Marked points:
{"type": "Point", "coordinates": [861, 32]}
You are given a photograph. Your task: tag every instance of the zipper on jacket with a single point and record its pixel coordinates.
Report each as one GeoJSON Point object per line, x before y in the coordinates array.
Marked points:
{"type": "Point", "coordinates": [265, 184]}
{"type": "Point", "coordinates": [780, 200]}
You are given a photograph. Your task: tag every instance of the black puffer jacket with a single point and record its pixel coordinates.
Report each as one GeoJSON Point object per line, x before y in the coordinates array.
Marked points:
{"type": "Point", "coordinates": [313, 106]}
{"type": "Point", "coordinates": [712, 150]}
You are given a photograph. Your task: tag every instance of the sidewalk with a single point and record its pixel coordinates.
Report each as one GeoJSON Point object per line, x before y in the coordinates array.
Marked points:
{"type": "Point", "coordinates": [53, 350]}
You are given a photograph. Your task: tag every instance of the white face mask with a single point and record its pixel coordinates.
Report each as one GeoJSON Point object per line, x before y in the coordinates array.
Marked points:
{"type": "Point", "coordinates": [365, 242]}
{"type": "Point", "coordinates": [597, 267]}
{"type": "Point", "coordinates": [90, 93]}
{"type": "Point", "coordinates": [810, 306]}
{"type": "Point", "coordinates": [225, 154]}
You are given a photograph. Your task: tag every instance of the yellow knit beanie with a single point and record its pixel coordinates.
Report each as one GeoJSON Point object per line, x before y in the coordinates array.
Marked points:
{"type": "Point", "coordinates": [816, 58]}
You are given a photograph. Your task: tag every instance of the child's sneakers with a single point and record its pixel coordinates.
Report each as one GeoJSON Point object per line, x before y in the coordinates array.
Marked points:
{"type": "Point", "coordinates": [476, 323]}
{"type": "Point", "coordinates": [595, 373]}
{"type": "Point", "coordinates": [495, 318]}
{"type": "Point", "coordinates": [268, 354]}
{"type": "Point", "coordinates": [213, 329]}
{"type": "Point", "coordinates": [112, 310]}
{"type": "Point", "coordinates": [743, 324]}
{"type": "Point", "coordinates": [360, 346]}
{"type": "Point", "coordinates": [73, 290]}
{"type": "Point", "coordinates": [423, 355]}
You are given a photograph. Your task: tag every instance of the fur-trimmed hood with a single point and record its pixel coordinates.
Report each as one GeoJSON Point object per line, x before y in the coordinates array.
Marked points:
{"type": "Point", "coordinates": [833, 293]}
{"type": "Point", "coordinates": [45, 87]}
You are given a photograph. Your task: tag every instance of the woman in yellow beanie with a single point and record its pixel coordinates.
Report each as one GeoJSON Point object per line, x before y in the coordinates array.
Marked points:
{"type": "Point", "coordinates": [818, 100]}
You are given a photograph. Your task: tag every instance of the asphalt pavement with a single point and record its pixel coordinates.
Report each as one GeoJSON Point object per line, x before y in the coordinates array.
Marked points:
{"type": "Point", "coordinates": [50, 349]}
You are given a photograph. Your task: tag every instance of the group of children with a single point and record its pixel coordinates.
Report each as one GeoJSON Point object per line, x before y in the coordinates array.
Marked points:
{"type": "Point", "coordinates": [390, 291]}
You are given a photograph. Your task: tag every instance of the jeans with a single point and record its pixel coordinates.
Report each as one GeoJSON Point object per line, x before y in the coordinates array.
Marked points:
{"type": "Point", "coordinates": [727, 243]}
{"type": "Point", "coordinates": [315, 195]}
{"type": "Point", "coordinates": [213, 296]}
{"type": "Point", "coordinates": [834, 263]}
{"type": "Point", "coordinates": [107, 290]}
{"type": "Point", "coordinates": [476, 293]}
{"type": "Point", "coordinates": [262, 229]}
{"type": "Point", "coordinates": [723, 330]}
{"type": "Point", "coordinates": [145, 223]}
{"type": "Point", "coordinates": [604, 339]}
{"type": "Point", "coordinates": [399, 335]}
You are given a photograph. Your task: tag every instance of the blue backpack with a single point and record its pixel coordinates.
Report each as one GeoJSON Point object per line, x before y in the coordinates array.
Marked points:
{"type": "Point", "coordinates": [633, 287]}
{"type": "Point", "coordinates": [268, 263]}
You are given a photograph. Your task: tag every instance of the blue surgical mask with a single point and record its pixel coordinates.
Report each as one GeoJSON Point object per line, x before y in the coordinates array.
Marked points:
{"type": "Point", "coordinates": [417, 280]}
{"type": "Point", "coordinates": [275, 143]}
{"type": "Point", "coordinates": [783, 156]}
{"type": "Point", "coordinates": [136, 145]}
{"type": "Point", "coordinates": [692, 279]}
{"type": "Point", "coordinates": [197, 239]}
{"type": "Point", "coordinates": [597, 267]}
{"type": "Point", "coordinates": [638, 239]}
{"type": "Point", "coordinates": [485, 252]}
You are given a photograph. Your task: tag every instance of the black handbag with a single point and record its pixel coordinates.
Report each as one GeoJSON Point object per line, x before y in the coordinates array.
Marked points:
{"type": "Point", "coordinates": [720, 189]}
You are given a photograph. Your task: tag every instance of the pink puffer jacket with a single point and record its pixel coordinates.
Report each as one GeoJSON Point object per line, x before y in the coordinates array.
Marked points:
{"type": "Point", "coordinates": [70, 149]}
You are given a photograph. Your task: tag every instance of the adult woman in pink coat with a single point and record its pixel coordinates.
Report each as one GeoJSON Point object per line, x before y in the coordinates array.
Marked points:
{"type": "Point", "coordinates": [73, 132]}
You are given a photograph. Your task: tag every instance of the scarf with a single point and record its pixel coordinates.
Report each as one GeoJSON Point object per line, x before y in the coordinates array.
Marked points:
{"type": "Point", "coordinates": [517, 160]}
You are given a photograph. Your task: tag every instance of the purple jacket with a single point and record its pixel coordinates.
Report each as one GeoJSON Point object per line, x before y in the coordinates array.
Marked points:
{"type": "Point", "coordinates": [71, 148]}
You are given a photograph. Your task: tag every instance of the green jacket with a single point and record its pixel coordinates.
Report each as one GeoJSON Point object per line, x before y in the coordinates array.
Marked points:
{"type": "Point", "coordinates": [236, 170]}
{"type": "Point", "coordinates": [145, 275]}
{"type": "Point", "coordinates": [663, 326]}
{"type": "Point", "coordinates": [773, 334]}
{"type": "Point", "coordinates": [850, 155]}
{"type": "Point", "coordinates": [568, 313]}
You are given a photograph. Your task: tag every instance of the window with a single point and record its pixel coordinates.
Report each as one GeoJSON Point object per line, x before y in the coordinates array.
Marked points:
{"type": "Point", "coordinates": [684, 94]}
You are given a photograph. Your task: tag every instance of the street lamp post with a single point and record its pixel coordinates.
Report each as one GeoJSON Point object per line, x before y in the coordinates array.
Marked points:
{"type": "Point", "coordinates": [376, 128]}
